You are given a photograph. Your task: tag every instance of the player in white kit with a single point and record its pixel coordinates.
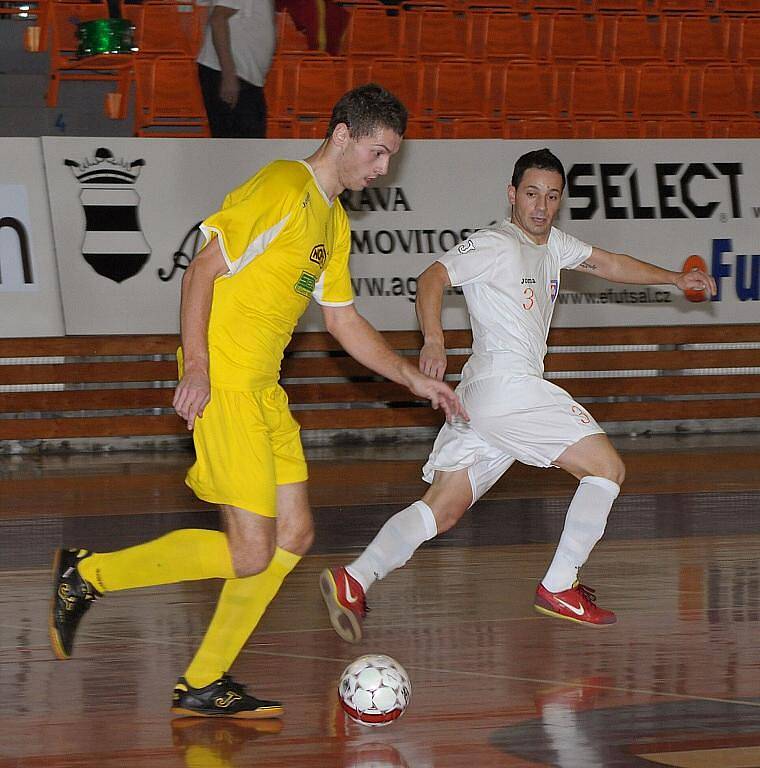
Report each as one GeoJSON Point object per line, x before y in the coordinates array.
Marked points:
{"type": "Point", "coordinates": [510, 278]}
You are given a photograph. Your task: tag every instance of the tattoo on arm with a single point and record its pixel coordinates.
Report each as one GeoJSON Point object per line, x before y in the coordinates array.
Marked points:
{"type": "Point", "coordinates": [587, 265]}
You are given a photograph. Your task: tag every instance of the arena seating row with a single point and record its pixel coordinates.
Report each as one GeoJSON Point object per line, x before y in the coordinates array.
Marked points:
{"type": "Point", "coordinates": [538, 128]}
{"type": "Point", "coordinates": [475, 73]}
{"type": "Point", "coordinates": [57, 394]}
{"type": "Point", "coordinates": [482, 74]}
{"type": "Point", "coordinates": [726, 7]}
{"type": "Point", "coordinates": [307, 86]}
{"type": "Point", "coordinates": [556, 37]}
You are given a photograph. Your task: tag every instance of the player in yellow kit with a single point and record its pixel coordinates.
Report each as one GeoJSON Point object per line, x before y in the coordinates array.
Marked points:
{"type": "Point", "coordinates": [279, 240]}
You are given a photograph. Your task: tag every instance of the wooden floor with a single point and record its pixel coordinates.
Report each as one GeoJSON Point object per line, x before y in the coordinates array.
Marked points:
{"type": "Point", "coordinates": [676, 682]}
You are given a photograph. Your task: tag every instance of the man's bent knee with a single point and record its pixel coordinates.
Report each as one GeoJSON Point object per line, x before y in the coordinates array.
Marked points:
{"type": "Point", "coordinates": [449, 497]}
{"type": "Point", "coordinates": [593, 456]}
{"type": "Point", "coordinates": [250, 558]}
{"type": "Point", "coordinates": [611, 467]}
{"type": "Point", "coordinates": [299, 541]}
{"type": "Point", "coordinates": [617, 471]}
{"type": "Point", "coordinates": [250, 538]}
{"type": "Point", "coordinates": [295, 525]}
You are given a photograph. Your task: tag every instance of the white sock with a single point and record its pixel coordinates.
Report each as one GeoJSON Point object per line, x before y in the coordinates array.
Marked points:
{"type": "Point", "coordinates": [394, 544]}
{"type": "Point", "coordinates": [584, 525]}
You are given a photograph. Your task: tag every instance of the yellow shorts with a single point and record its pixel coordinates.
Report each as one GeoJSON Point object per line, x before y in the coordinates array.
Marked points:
{"type": "Point", "coordinates": [246, 444]}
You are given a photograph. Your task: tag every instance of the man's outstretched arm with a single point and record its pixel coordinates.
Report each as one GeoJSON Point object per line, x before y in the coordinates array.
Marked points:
{"type": "Point", "coordinates": [622, 268]}
{"type": "Point", "coordinates": [365, 344]}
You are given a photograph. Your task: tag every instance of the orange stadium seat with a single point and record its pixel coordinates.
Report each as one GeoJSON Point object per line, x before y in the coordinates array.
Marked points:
{"type": "Point", "coordinates": [556, 5]}
{"type": "Point", "coordinates": [735, 129]}
{"type": "Point", "coordinates": [280, 127]}
{"type": "Point", "coordinates": [436, 34]}
{"type": "Point", "coordinates": [496, 5]}
{"type": "Point", "coordinates": [503, 6]}
{"type": "Point", "coordinates": [468, 128]}
{"type": "Point", "coordinates": [527, 89]}
{"type": "Point", "coordinates": [725, 92]}
{"type": "Point", "coordinates": [374, 32]}
{"type": "Point", "coordinates": [701, 39]}
{"type": "Point", "coordinates": [273, 89]}
{"type": "Point", "coordinates": [637, 39]}
{"type": "Point", "coordinates": [597, 90]}
{"type": "Point", "coordinates": [310, 85]}
{"type": "Point", "coordinates": [431, 5]}
{"type": "Point", "coordinates": [168, 98]}
{"type": "Point", "coordinates": [749, 40]}
{"type": "Point", "coordinates": [685, 6]}
{"type": "Point", "coordinates": [661, 90]}
{"type": "Point", "coordinates": [622, 6]}
{"type": "Point", "coordinates": [402, 77]}
{"type": "Point", "coordinates": [289, 38]}
{"type": "Point", "coordinates": [504, 35]}
{"type": "Point", "coordinates": [538, 128]}
{"type": "Point", "coordinates": [365, 3]}
{"type": "Point", "coordinates": [674, 128]}
{"type": "Point", "coordinates": [64, 65]}
{"type": "Point", "coordinates": [455, 87]}
{"type": "Point", "coordinates": [166, 28]}
{"type": "Point", "coordinates": [736, 6]}
{"type": "Point", "coordinates": [575, 37]}
{"type": "Point", "coordinates": [754, 100]}
{"type": "Point", "coordinates": [310, 127]}
{"type": "Point", "coordinates": [420, 129]}
{"type": "Point", "coordinates": [607, 129]}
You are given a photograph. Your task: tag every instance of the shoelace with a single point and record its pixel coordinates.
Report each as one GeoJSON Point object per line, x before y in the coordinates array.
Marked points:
{"type": "Point", "coordinates": [231, 684]}
{"type": "Point", "coordinates": [587, 592]}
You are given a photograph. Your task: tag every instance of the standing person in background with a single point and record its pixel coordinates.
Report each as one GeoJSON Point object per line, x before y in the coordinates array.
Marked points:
{"type": "Point", "coordinates": [233, 63]}
{"type": "Point", "coordinates": [280, 239]}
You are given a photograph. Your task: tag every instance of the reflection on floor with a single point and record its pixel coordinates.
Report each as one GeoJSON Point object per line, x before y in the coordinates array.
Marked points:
{"type": "Point", "coordinates": [676, 682]}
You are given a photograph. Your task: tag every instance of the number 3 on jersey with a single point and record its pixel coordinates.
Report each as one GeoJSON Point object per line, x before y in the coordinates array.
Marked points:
{"type": "Point", "coordinates": [529, 298]}
{"type": "Point", "coordinates": [583, 417]}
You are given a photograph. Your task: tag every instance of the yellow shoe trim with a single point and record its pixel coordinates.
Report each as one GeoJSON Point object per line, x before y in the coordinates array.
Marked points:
{"type": "Point", "coordinates": [257, 714]}
{"type": "Point", "coordinates": [55, 641]}
{"type": "Point", "coordinates": [555, 615]}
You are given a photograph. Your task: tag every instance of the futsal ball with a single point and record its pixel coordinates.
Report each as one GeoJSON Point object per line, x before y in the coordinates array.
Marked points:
{"type": "Point", "coordinates": [374, 690]}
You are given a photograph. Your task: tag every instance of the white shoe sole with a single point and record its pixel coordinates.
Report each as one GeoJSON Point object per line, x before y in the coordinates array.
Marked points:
{"type": "Point", "coordinates": [344, 622]}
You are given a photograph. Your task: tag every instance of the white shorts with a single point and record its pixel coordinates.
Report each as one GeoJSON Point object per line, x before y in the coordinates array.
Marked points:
{"type": "Point", "coordinates": [523, 418]}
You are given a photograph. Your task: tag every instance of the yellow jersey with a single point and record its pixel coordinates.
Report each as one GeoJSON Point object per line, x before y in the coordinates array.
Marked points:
{"type": "Point", "coordinates": [284, 242]}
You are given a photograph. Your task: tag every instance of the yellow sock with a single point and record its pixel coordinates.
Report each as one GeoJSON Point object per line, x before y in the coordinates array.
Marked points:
{"type": "Point", "coordinates": [185, 555]}
{"type": "Point", "coordinates": [241, 606]}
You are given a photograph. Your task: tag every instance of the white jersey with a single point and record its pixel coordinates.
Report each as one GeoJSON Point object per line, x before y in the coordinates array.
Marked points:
{"type": "Point", "coordinates": [510, 285]}
{"type": "Point", "coordinates": [252, 39]}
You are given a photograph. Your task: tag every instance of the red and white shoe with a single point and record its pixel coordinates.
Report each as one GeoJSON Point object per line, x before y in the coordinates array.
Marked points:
{"type": "Point", "coordinates": [345, 601]}
{"type": "Point", "coordinates": [576, 604]}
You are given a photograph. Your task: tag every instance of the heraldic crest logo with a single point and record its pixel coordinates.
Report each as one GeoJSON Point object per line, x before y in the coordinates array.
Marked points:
{"type": "Point", "coordinates": [114, 245]}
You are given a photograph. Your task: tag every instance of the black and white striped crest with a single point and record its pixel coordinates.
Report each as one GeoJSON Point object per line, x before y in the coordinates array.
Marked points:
{"type": "Point", "coordinates": [114, 245]}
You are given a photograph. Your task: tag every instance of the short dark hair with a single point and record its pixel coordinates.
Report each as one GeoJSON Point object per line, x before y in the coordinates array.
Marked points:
{"type": "Point", "coordinates": [367, 108]}
{"type": "Point", "coordinates": [543, 159]}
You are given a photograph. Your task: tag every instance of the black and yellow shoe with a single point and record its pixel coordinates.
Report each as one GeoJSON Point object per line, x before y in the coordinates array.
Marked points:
{"type": "Point", "coordinates": [72, 598]}
{"type": "Point", "coordinates": [222, 698]}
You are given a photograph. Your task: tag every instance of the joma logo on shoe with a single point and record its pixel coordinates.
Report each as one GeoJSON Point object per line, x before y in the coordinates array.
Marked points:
{"type": "Point", "coordinates": [229, 698]}
{"type": "Point", "coordinates": [64, 592]}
